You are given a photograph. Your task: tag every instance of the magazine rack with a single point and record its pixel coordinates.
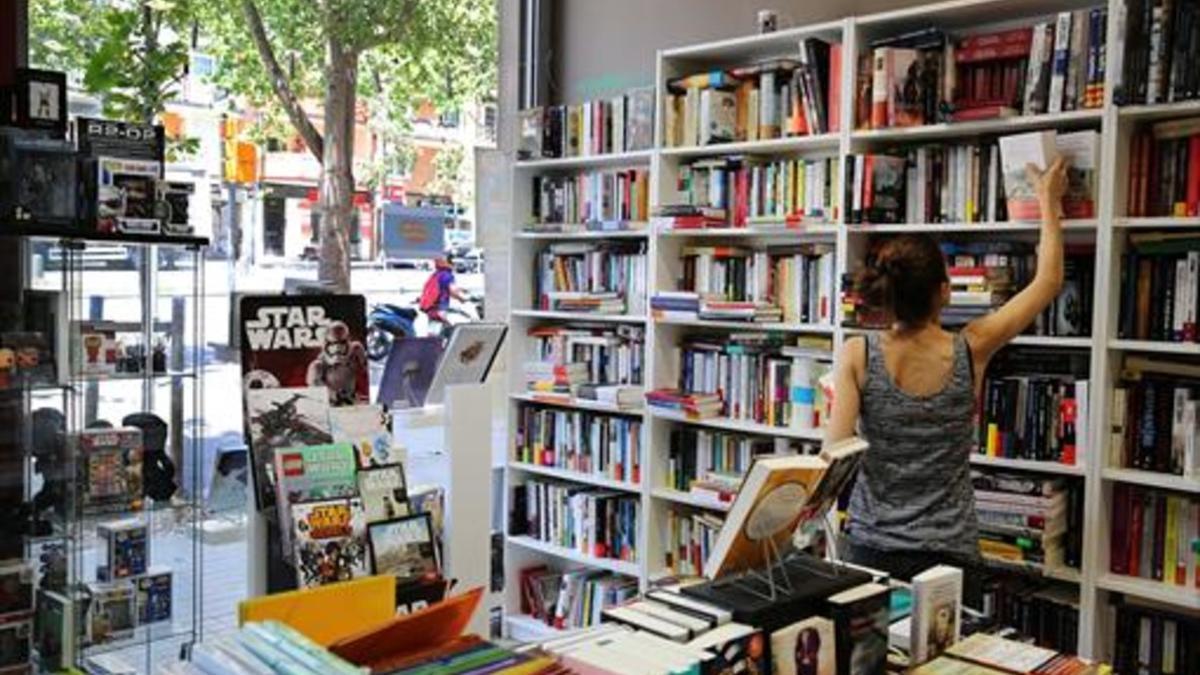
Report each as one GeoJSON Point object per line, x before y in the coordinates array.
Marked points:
{"type": "Point", "coordinates": [101, 529]}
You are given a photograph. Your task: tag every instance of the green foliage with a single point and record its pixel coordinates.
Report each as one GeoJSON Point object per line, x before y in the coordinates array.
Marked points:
{"type": "Point", "coordinates": [64, 33]}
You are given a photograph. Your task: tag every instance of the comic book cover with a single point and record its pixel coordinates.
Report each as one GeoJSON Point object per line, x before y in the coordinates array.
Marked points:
{"type": "Point", "coordinates": [112, 469]}
{"type": "Point", "coordinates": [330, 541]}
{"type": "Point", "coordinates": [383, 492]}
{"type": "Point", "coordinates": [282, 418]}
{"type": "Point", "coordinates": [366, 428]}
{"type": "Point", "coordinates": [306, 341]}
{"type": "Point", "coordinates": [315, 472]}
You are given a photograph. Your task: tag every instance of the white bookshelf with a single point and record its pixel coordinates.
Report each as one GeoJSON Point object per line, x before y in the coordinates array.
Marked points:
{"type": "Point", "coordinates": [1107, 231]}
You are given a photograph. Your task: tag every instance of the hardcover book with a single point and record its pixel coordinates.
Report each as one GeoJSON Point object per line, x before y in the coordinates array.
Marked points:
{"type": "Point", "coordinates": [305, 341]}
{"type": "Point", "coordinates": [738, 648]}
{"type": "Point", "coordinates": [860, 617]}
{"type": "Point", "coordinates": [384, 492]}
{"type": "Point", "coordinates": [937, 603]}
{"type": "Point", "coordinates": [366, 428]}
{"type": "Point", "coordinates": [805, 648]}
{"type": "Point", "coordinates": [315, 472]}
{"type": "Point", "coordinates": [404, 548]}
{"type": "Point", "coordinates": [280, 418]}
{"type": "Point", "coordinates": [329, 541]}
{"type": "Point", "coordinates": [112, 469]}
{"type": "Point", "coordinates": [778, 494]}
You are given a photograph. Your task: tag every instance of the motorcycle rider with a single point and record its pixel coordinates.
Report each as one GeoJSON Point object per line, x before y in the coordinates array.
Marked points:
{"type": "Point", "coordinates": [438, 291]}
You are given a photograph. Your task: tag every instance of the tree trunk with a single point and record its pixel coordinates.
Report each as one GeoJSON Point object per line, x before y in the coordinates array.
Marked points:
{"type": "Point", "coordinates": [337, 179]}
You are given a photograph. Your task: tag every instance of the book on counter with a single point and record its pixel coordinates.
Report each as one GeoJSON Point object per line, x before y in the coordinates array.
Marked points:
{"type": "Point", "coordinates": [937, 603]}
{"type": "Point", "coordinates": [806, 647]}
{"type": "Point", "coordinates": [860, 618]}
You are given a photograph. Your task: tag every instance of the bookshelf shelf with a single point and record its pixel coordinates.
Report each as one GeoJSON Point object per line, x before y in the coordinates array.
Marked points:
{"type": "Point", "coordinates": [820, 230]}
{"type": "Point", "coordinates": [1167, 594]}
{"type": "Point", "coordinates": [639, 231]}
{"type": "Point", "coordinates": [1003, 125]}
{"type": "Point", "coordinates": [1146, 113]}
{"type": "Point", "coordinates": [1182, 348]}
{"type": "Point", "coordinates": [1154, 479]}
{"type": "Point", "coordinates": [753, 46]}
{"type": "Point", "coordinates": [617, 566]}
{"type": "Point", "coordinates": [576, 404]}
{"type": "Point", "coordinates": [968, 228]}
{"type": "Point", "coordinates": [575, 476]}
{"type": "Point", "coordinates": [740, 426]}
{"type": "Point", "coordinates": [1053, 341]}
{"type": "Point", "coordinates": [588, 162]}
{"type": "Point", "coordinates": [577, 316]}
{"type": "Point", "coordinates": [689, 499]}
{"type": "Point", "coordinates": [770, 146]}
{"type": "Point", "coordinates": [1065, 574]}
{"type": "Point", "coordinates": [1161, 223]}
{"type": "Point", "coordinates": [1028, 465]}
{"type": "Point", "coordinates": [812, 328]}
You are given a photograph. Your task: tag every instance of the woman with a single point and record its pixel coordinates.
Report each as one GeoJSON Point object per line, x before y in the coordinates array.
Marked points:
{"type": "Point", "coordinates": [913, 389]}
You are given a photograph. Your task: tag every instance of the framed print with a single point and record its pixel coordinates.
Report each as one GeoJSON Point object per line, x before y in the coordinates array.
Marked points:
{"type": "Point", "coordinates": [42, 100]}
{"type": "Point", "coordinates": [468, 357]}
{"type": "Point", "coordinates": [404, 548]}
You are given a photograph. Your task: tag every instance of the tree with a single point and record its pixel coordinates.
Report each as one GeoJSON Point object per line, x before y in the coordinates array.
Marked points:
{"type": "Point", "coordinates": [284, 53]}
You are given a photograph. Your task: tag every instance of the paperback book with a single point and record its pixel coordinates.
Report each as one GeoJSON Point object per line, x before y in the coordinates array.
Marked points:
{"type": "Point", "coordinates": [383, 492]}
{"type": "Point", "coordinates": [805, 648]}
{"type": "Point", "coordinates": [330, 541]}
{"type": "Point", "coordinates": [366, 427]}
{"type": "Point", "coordinates": [282, 417]}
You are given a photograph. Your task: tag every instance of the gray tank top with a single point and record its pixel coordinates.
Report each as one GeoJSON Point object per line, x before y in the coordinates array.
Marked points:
{"type": "Point", "coordinates": [914, 491]}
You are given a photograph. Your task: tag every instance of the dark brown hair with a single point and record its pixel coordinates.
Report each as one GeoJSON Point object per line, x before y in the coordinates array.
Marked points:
{"type": "Point", "coordinates": [905, 278]}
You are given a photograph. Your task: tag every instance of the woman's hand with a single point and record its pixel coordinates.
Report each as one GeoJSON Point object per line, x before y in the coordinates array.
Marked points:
{"type": "Point", "coordinates": [1051, 185]}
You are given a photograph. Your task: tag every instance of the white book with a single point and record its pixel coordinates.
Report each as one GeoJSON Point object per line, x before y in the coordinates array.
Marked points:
{"type": "Point", "coordinates": [768, 106]}
{"type": "Point", "coordinates": [1016, 152]}
{"type": "Point", "coordinates": [1191, 456]}
{"type": "Point", "coordinates": [684, 603]}
{"type": "Point", "coordinates": [1061, 63]}
{"type": "Point", "coordinates": [618, 125]}
{"type": "Point", "coordinates": [937, 604]}
{"type": "Point", "coordinates": [1038, 52]}
{"type": "Point", "coordinates": [648, 623]}
{"type": "Point", "coordinates": [1083, 429]}
{"type": "Point", "coordinates": [1154, 75]}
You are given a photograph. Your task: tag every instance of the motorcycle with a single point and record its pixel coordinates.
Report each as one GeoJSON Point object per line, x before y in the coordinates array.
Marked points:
{"type": "Point", "coordinates": [385, 323]}
{"type": "Point", "coordinates": [459, 312]}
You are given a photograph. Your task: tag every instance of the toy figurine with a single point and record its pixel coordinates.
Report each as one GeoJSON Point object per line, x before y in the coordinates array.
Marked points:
{"type": "Point", "coordinates": [339, 365]}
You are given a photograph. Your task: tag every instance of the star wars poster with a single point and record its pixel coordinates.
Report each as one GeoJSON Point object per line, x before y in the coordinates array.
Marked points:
{"type": "Point", "coordinates": [306, 341]}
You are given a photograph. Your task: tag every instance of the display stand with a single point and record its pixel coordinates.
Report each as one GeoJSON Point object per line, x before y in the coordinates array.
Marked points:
{"type": "Point", "coordinates": [466, 454]}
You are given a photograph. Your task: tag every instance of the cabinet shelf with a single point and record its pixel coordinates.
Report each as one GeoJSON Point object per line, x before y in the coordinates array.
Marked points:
{"type": "Point", "coordinates": [769, 146]}
{"type": "Point", "coordinates": [1003, 125]}
{"type": "Point", "coordinates": [1182, 348]}
{"type": "Point", "coordinates": [577, 316]}
{"type": "Point", "coordinates": [589, 162]}
{"type": "Point", "coordinates": [985, 228]}
{"type": "Point", "coordinates": [576, 404]}
{"type": "Point", "coordinates": [1148, 589]}
{"type": "Point", "coordinates": [740, 426]}
{"type": "Point", "coordinates": [1155, 479]}
{"type": "Point", "coordinates": [814, 328]}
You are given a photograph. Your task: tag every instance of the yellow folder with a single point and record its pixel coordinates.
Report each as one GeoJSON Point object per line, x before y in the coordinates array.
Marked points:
{"type": "Point", "coordinates": [327, 614]}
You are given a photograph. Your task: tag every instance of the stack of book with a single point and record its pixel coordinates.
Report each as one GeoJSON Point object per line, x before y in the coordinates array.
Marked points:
{"type": "Point", "coordinates": [611, 356]}
{"type": "Point", "coordinates": [1155, 535]}
{"type": "Point", "coordinates": [970, 183]}
{"type": "Point", "coordinates": [758, 379]}
{"type": "Point", "coordinates": [598, 200]}
{"type": "Point", "coordinates": [1022, 520]}
{"type": "Point", "coordinates": [924, 78]}
{"type": "Point", "coordinates": [1164, 169]}
{"type": "Point", "coordinates": [700, 460]}
{"type": "Point", "coordinates": [693, 406]}
{"type": "Point", "coordinates": [605, 446]}
{"type": "Point", "coordinates": [1153, 640]}
{"type": "Point", "coordinates": [597, 278]}
{"type": "Point", "coordinates": [974, 291]}
{"type": "Point", "coordinates": [1035, 406]}
{"type": "Point", "coordinates": [1160, 287]}
{"type": "Point", "coordinates": [261, 647]}
{"type": "Point", "coordinates": [1154, 420]}
{"type": "Point", "coordinates": [624, 123]}
{"type": "Point", "coordinates": [1046, 612]}
{"type": "Point", "coordinates": [1156, 53]}
{"type": "Point", "coordinates": [555, 380]}
{"type": "Point", "coordinates": [743, 191]}
{"type": "Point", "coordinates": [770, 99]}
{"type": "Point", "coordinates": [590, 521]}
{"type": "Point", "coordinates": [572, 599]}
{"type": "Point", "coordinates": [689, 538]}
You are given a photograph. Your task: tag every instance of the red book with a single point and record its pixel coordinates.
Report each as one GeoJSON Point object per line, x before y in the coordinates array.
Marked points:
{"type": "Point", "coordinates": [833, 89]}
{"type": "Point", "coordinates": [741, 202]}
{"type": "Point", "coordinates": [1016, 36]}
{"type": "Point", "coordinates": [1135, 535]}
{"type": "Point", "coordinates": [868, 171]}
{"type": "Point", "coordinates": [989, 112]}
{"type": "Point", "coordinates": [1068, 413]}
{"type": "Point", "coordinates": [991, 53]}
{"type": "Point", "coordinates": [1193, 176]}
{"type": "Point", "coordinates": [1149, 164]}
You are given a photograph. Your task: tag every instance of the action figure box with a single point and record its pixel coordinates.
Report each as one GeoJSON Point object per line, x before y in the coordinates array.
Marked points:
{"type": "Point", "coordinates": [16, 644]}
{"type": "Point", "coordinates": [16, 587]}
{"type": "Point", "coordinates": [58, 618]}
{"type": "Point", "coordinates": [122, 167]}
{"type": "Point", "coordinates": [127, 549]}
{"type": "Point", "coordinates": [99, 352]}
{"type": "Point", "coordinates": [112, 613]}
{"type": "Point", "coordinates": [154, 595]}
{"type": "Point", "coordinates": [112, 469]}
{"type": "Point", "coordinates": [38, 180]}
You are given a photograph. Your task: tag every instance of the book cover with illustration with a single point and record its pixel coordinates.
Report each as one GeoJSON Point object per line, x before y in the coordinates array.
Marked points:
{"type": "Point", "coordinates": [315, 472]}
{"type": "Point", "coordinates": [1081, 150]}
{"type": "Point", "coordinates": [404, 548]}
{"type": "Point", "coordinates": [305, 341]}
{"type": "Point", "coordinates": [777, 496]}
{"type": "Point", "coordinates": [366, 428]}
{"type": "Point", "coordinates": [937, 603]}
{"type": "Point", "coordinates": [282, 418]}
{"type": "Point", "coordinates": [329, 541]}
{"type": "Point", "coordinates": [1016, 152]}
{"type": "Point", "coordinates": [384, 492]}
{"type": "Point", "coordinates": [804, 648]}
{"type": "Point", "coordinates": [860, 618]}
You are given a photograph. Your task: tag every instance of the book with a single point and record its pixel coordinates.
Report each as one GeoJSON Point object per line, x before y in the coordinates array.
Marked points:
{"type": "Point", "coordinates": [367, 428]}
{"type": "Point", "coordinates": [777, 495]}
{"type": "Point", "coordinates": [608, 527]}
{"type": "Point", "coordinates": [278, 418]}
{"type": "Point", "coordinates": [1060, 62]}
{"type": "Point", "coordinates": [861, 617]}
{"type": "Point", "coordinates": [806, 647]}
{"type": "Point", "coordinates": [112, 469]}
{"type": "Point", "coordinates": [594, 444]}
{"type": "Point", "coordinates": [937, 602]}
{"type": "Point", "coordinates": [639, 126]}
{"type": "Point", "coordinates": [598, 199]}
{"type": "Point", "coordinates": [327, 613]}
{"type": "Point", "coordinates": [315, 472]}
{"type": "Point", "coordinates": [329, 541]}
{"type": "Point", "coordinates": [384, 492]}
{"type": "Point", "coordinates": [404, 548]}
{"type": "Point", "coordinates": [999, 653]}
{"type": "Point", "coordinates": [1038, 148]}
{"type": "Point", "coordinates": [529, 145]}
{"type": "Point", "coordinates": [305, 341]}
{"type": "Point", "coordinates": [405, 634]}
{"type": "Point", "coordinates": [1081, 151]}
{"type": "Point", "coordinates": [737, 648]}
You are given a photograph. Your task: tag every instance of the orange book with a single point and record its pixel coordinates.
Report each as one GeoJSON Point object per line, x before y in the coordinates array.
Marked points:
{"type": "Point", "coordinates": [401, 636]}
